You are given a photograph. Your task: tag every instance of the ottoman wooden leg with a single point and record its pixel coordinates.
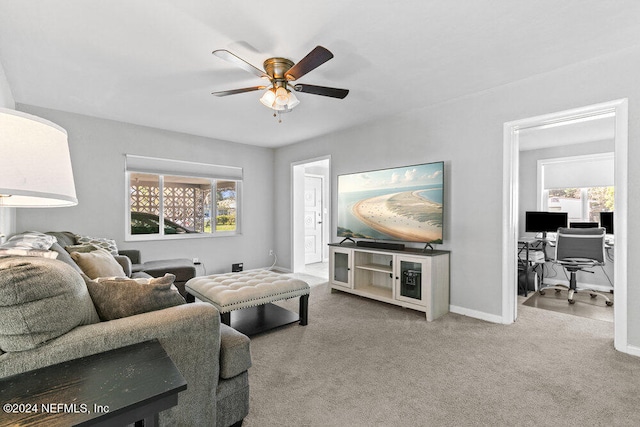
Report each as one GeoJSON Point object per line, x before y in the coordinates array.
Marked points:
{"type": "Point", "coordinates": [304, 309]}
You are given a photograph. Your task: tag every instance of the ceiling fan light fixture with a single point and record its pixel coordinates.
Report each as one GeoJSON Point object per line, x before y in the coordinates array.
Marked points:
{"type": "Point", "coordinates": [293, 100]}
{"type": "Point", "coordinates": [279, 99]}
{"type": "Point", "coordinates": [268, 98]}
{"type": "Point", "coordinates": [282, 96]}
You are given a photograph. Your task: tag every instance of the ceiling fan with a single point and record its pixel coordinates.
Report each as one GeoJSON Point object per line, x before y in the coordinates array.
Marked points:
{"type": "Point", "coordinates": [281, 72]}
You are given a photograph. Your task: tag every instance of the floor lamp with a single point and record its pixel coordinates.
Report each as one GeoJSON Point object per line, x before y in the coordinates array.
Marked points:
{"type": "Point", "coordinates": [35, 164]}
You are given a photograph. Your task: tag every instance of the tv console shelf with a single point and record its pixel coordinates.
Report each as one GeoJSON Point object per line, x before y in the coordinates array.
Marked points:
{"type": "Point", "coordinates": [411, 278]}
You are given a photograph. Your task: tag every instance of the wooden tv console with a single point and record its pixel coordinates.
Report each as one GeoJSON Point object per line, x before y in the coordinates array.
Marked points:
{"type": "Point", "coordinates": [410, 278]}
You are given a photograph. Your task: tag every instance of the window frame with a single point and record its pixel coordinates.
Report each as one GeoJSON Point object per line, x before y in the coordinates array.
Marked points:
{"type": "Point", "coordinates": [183, 167]}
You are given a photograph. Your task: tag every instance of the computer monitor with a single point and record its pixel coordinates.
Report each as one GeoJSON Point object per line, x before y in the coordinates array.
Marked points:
{"type": "Point", "coordinates": [583, 225]}
{"type": "Point", "coordinates": [606, 221]}
{"type": "Point", "coordinates": [543, 222]}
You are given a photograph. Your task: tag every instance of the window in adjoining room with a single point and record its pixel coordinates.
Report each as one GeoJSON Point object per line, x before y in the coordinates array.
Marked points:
{"type": "Point", "coordinates": [582, 186]}
{"type": "Point", "coordinates": [582, 204]}
{"type": "Point", "coordinates": [188, 199]}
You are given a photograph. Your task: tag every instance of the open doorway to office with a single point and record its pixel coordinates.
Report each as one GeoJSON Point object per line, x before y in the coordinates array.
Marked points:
{"type": "Point", "coordinates": [513, 132]}
{"type": "Point", "coordinates": [310, 216]}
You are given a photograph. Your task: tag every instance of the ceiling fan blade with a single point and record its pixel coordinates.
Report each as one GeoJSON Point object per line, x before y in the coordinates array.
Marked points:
{"type": "Point", "coordinates": [236, 91]}
{"type": "Point", "coordinates": [234, 59]}
{"type": "Point", "coordinates": [318, 56]}
{"type": "Point", "coordinates": [322, 90]}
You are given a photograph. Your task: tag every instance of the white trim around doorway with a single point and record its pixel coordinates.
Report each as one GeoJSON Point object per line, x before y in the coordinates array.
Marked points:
{"type": "Point", "coordinates": [511, 152]}
{"type": "Point", "coordinates": [297, 196]}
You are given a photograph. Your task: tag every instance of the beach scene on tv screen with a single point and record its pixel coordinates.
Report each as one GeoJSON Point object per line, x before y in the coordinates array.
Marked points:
{"type": "Point", "coordinates": [402, 203]}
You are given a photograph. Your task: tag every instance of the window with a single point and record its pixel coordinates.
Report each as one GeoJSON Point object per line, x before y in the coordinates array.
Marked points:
{"type": "Point", "coordinates": [173, 199]}
{"type": "Point", "coordinates": [582, 204]}
{"type": "Point", "coordinates": [582, 186]}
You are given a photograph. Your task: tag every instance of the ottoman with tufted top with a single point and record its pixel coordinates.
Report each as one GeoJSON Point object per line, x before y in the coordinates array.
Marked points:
{"type": "Point", "coordinates": [249, 295]}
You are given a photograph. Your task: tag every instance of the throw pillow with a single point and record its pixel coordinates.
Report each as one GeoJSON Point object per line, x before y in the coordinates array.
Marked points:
{"type": "Point", "coordinates": [30, 240]}
{"type": "Point", "coordinates": [123, 297]}
{"type": "Point", "coordinates": [40, 299]}
{"type": "Point", "coordinates": [108, 244]}
{"type": "Point", "coordinates": [28, 252]}
{"type": "Point", "coordinates": [81, 248]}
{"type": "Point", "coordinates": [98, 263]}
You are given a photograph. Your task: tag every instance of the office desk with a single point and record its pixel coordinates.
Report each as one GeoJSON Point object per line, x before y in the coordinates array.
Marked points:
{"type": "Point", "coordinates": [527, 245]}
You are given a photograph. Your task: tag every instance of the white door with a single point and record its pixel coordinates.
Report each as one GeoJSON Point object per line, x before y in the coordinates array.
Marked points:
{"type": "Point", "coordinates": [312, 219]}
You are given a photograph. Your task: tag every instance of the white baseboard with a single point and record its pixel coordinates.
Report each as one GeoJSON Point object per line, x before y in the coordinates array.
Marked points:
{"type": "Point", "coordinates": [632, 350]}
{"type": "Point", "coordinates": [476, 314]}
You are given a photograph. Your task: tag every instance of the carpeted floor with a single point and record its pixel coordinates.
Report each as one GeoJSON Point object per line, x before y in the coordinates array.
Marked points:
{"type": "Point", "coordinates": [363, 363]}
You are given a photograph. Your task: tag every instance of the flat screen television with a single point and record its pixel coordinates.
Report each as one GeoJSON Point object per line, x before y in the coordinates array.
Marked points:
{"type": "Point", "coordinates": [399, 204]}
{"type": "Point", "coordinates": [606, 221]}
{"type": "Point", "coordinates": [543, 222]}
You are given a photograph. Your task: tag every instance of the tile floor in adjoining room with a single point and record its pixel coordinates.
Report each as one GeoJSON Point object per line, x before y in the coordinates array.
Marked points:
{"type": "Point", "coordinates": [585, 306]}
{"type": "Point", "coordinates": [319, 269]}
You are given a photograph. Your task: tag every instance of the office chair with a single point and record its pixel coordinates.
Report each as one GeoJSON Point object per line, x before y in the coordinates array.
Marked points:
{"type": "Point", "coordinates": [576, 250]}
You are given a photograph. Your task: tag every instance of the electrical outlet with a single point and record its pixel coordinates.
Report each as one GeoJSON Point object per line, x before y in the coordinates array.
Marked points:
{"type": "Point", "coordinates": [196, 261]}
{"type": "Point", "coordinates": [270, 252]}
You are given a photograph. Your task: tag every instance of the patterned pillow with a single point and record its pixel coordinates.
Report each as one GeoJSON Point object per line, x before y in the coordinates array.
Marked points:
{"type": "Point", "coordinates": [108, 244]}
{"type": "Point", "coordinates": [30, 240]}
{"type": "Point", "coordinates": [122, 297]}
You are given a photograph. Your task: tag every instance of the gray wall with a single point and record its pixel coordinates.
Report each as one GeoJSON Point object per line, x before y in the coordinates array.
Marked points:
{"type": "Point", "coordinates": [6, 97]}
{"type": "Point", "coordinates": [7, 215]}
{"type": "Point", "coordinates": [97, 153]}
{"type": "Point", "coordinates": [467, 133]}
{"type": "Point", "coordinates": [528, 186]}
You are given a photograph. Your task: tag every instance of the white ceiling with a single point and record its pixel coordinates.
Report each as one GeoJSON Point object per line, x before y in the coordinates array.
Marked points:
{"type": "Point", "coordinates": [149, 62]}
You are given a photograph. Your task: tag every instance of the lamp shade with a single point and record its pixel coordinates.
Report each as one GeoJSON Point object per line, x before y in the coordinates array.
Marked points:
{"type": "Point", "coordinates": [35, 165]}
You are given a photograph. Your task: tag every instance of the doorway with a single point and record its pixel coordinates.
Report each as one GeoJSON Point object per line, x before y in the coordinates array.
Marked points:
{"type": "Point", "coordinates": [310, 215]}
{"type": "Point", "coordinates": [512, 135]}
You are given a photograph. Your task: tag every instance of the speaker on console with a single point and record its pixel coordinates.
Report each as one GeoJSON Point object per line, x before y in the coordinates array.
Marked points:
{"type": "Point", "coordinates": [381, 245]}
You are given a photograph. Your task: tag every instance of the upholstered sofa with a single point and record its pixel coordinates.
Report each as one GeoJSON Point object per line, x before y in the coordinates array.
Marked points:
{"type": "Point", "coordinates": [131, 261]}
{"type": "Point", "coordinates": [212, 357]}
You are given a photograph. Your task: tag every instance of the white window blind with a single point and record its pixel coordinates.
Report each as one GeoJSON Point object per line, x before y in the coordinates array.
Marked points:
{"type": "Point", "coordinates": [578, 172]}
{"type": "Point", "coordinates": [158, 166]}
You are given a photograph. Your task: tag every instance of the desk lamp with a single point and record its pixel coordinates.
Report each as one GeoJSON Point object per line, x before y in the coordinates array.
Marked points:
{"type": "Point", "coordinates": [35, 165]}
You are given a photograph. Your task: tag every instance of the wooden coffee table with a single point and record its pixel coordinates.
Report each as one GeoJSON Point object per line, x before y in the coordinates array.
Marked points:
{"type": "Point", "coordinates": [117, 387]}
